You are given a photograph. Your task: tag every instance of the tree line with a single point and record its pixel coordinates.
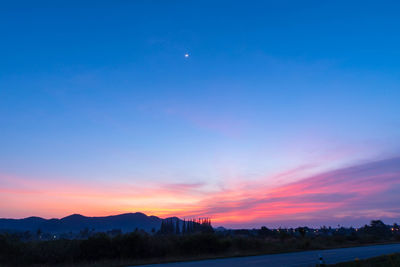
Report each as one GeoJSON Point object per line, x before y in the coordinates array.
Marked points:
{"type": "Point", "coordinates": [177, 227]}
{"type": "Point", "coordinates": [168, 244]}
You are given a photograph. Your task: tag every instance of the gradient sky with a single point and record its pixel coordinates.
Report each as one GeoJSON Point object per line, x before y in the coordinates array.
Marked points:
{"type": "Point", "coordinates": [285, 112]}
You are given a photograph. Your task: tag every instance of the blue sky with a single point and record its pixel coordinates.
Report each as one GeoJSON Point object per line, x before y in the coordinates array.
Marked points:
{"type": "Point", "coordinates": [101, 92]}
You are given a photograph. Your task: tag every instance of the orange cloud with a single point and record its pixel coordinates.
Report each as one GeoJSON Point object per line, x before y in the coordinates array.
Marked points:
{"type": "Point", "coordinates": [363, 192]}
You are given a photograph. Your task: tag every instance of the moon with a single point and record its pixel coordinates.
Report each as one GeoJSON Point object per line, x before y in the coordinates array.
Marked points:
{"type": "Point", "coordinates": [186, 55]}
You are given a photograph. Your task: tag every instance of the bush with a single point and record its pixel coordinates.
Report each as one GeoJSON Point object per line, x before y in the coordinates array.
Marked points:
{"type": "Point", "coordinates": [143, 247]}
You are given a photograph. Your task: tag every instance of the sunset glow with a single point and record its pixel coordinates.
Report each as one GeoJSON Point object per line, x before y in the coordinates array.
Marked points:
{"type": "Point", "coordinates": [335, 195]}
{"type": "Point", "coordinates": [269, 114]}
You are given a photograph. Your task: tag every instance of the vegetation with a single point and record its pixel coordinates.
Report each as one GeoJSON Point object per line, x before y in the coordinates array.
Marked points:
{"type": "Point", "coordinates": [198, 240]}
{"type": "Point", "coordinates": [173, 226]}
{"type": "Point", "coordinates": [392, 260]}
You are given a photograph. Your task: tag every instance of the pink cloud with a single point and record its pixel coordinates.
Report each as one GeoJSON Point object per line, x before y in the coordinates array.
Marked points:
{"type": "Point", "coordinates": [350, 195]}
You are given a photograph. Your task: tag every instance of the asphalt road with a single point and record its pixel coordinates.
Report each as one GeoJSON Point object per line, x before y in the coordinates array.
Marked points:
{"type": "Point", "coordinates": [299, 259]}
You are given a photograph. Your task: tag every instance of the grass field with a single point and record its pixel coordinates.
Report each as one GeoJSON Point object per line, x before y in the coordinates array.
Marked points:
{"type": "Point", "coordinates": [392, 260]}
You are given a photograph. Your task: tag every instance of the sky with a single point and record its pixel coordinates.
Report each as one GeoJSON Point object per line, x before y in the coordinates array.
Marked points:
{"type": "Point", "coordinates": [276, 113]}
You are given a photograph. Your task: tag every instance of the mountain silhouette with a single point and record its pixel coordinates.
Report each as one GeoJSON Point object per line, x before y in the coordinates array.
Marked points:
{"type": "Point", "coordinates": [75, 223]}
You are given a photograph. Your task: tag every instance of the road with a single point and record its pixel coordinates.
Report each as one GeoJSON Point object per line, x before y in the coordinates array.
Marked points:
{"type": "Point", "coordinates": [294, 259]}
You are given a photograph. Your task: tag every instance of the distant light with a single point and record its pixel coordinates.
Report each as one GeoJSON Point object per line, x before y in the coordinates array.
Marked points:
{"type": "Point", "coordinates": [186, 55]}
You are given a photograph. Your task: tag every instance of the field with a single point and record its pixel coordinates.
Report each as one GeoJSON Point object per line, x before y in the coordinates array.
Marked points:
{"type": "Point", "coordinates": [392, 260]}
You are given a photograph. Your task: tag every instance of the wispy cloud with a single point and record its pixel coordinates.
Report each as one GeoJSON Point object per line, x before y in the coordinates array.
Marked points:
{"type": "Point", "coordinates": [337, 194]}
{"type": "Point", "coordinates": [349, 195]}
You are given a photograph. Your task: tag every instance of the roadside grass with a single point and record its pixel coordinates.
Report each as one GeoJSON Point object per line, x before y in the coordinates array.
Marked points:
{"type": "Point", "coordinates": [388, 260]}
{"type": "Point", "coordinates": [392, 260]}
{"type": "Point", "coordinates": [138, 249]}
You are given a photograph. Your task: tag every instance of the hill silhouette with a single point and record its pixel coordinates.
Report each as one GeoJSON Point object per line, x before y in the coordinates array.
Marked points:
{"type": "Point", "coordinates": [74, 223]}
